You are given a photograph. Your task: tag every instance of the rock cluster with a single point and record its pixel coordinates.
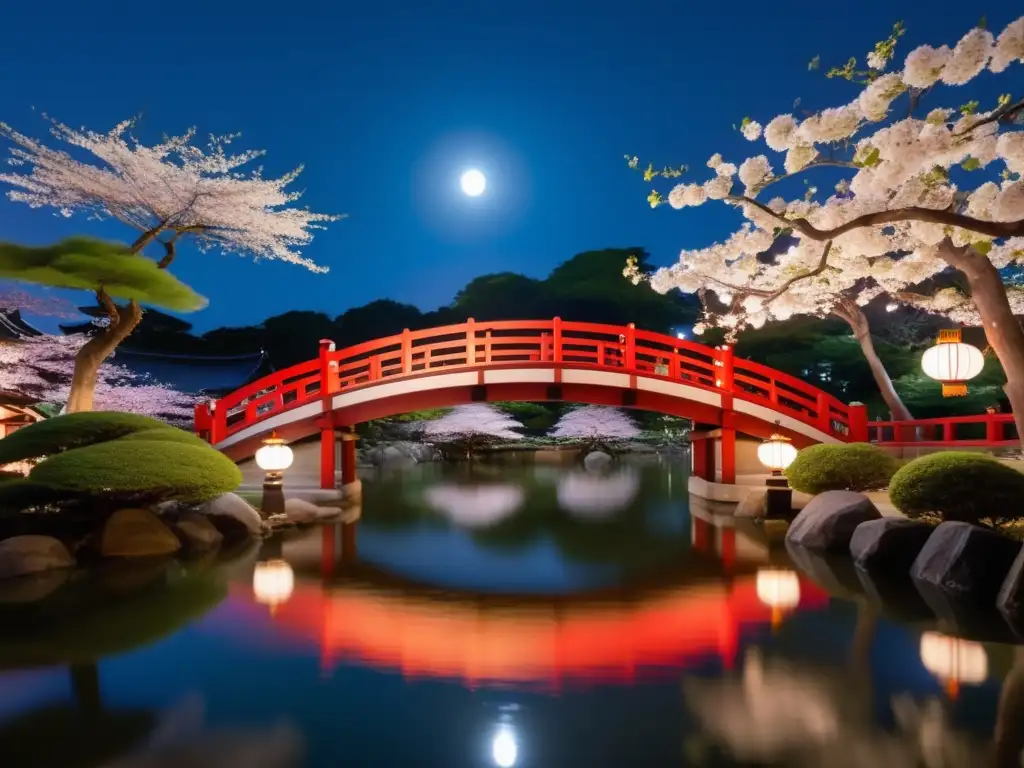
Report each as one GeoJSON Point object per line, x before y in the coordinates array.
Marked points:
{"type": "Point", "coordinates": [955, 569]}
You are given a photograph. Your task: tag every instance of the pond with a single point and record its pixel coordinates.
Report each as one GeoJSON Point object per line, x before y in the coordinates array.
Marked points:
{"type": "Point", "coordinates": [517, 614]}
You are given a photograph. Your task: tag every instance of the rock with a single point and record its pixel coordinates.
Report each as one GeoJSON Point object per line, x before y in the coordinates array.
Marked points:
{"type": "Point", "coordinates": [889, 546]}
{"type": "Point", "coordinates": [301, 511]}
{"type": "Point", "coordinates": [828, 521]}
{"type": "Point", "coordinates": [895, 598]}
{"type": "Point", "coordinates": [832, 572]}
{"type": "Point", "coordinates": [137, 533]}
{"type": "Point", "coordinates": [596, 460]}
{"type": "Point", "coordinates": [1010, 600]}
{"type": "Point", "coordinates": [167, 507]}
{"type": "Point", "coordinates": [198, 533]}
{"type": "Point", "coordinates": [754, 504]}
{"type": "Point", "coordinates": [352, 493]}
{"type": "Point", "coordinates": [386, 454]}
{"type": "Point", "coordinates": [24, 555]}
{"type": "Point", "coordinates": [33, 587]}
{"type": "Point", "coordinates": [232, 508]}
{"type": "Point", "coordinates": [963, 562]}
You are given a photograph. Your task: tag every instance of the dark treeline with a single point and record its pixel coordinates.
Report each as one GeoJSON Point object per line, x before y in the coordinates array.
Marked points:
{"type": "Point", "coordinates": [590, 287]}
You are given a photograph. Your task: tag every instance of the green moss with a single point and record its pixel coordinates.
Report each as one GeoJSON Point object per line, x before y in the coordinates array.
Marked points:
{"type": "Point", "coordinates": [86, 263]}
{"type": "Point", "coordinates": [849, 467]}
{"type": "Point", "coordinates": [957, 485]}
{"type": "Point", "coordinates": [75, 430]}
{"type": "Point", "coordinates": [139, 472]}
{"type": "Point", "coordinates": [167, 434]}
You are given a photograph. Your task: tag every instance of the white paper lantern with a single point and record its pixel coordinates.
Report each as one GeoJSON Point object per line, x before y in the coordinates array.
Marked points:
{"type": "Point", "coordinates": [953, 363]}
{"type": "Point", "coordinates": [274, 455]}
{"type": "Point", "coordinates": [776, 453]}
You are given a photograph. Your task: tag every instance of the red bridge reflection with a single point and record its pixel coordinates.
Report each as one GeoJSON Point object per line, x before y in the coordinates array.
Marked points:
{"type": "Point", "coordinates": [543, 643]}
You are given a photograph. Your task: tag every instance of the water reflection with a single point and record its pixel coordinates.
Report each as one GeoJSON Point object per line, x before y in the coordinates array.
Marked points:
{"type": "Point", "coordinates": [447, 625]}
{"type": "Point", "coordinates": [475, 506]}
{"type": "Point", "coordinates": [598, 495]}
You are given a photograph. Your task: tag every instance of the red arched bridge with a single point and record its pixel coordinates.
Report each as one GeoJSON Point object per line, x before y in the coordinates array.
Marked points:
{"type": "Point", "coordinates": [538, 360]}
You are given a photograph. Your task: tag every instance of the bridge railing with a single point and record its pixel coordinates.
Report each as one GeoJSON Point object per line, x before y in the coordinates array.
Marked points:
{"type": "Point", "coordinates": [522, 342]}
{"type": "Point", "coordinates": [986, 430]}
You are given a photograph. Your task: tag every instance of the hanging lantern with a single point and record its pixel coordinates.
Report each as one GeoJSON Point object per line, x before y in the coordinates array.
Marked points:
{"type": "Point", "coordinates": [954, 661]}
{"type": "Point", "coordinates": [952, 362]}
{"type": "Point", "coordinates": [776, 453]}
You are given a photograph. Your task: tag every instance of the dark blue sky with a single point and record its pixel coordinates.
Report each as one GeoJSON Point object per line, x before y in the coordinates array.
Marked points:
{"type": "Point", "coordinates": [386, 104]}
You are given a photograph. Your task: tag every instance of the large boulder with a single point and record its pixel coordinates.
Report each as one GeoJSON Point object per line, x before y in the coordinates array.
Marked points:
{"type": "Point", "coordinates": [828, 521]}
{"type": "Point", "coordinates": [230, 512]}
{"type": "Point", "coordinates": [137, 533]}
{"type": "Point", "coordinates": [597, 460]}
{"type": "Point", "coordinates": [301, 511]}
{"type": "Point", "coordinates": [352, 493]}
{"type": "Point", "coordinates": [198, 533]}
{"type": "Point", "coordinates": [1010, 600]}
{"type": "Point", "coordinates": [889, 546]}
{"type": "Point", "coordinates": [24, 555]}
{"type": "Point", "coordinates": [964, 562]}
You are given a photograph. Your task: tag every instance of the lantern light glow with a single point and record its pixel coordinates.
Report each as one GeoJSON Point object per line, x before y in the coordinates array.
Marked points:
{"type": "Point", "coordinates": [952, 362]}
{"type": "Point", "coordinates": [953, 660]}
{"type": "Point", "coordinates": [776, 453]}
{"type": "Point", "coordinates": [274, 455]}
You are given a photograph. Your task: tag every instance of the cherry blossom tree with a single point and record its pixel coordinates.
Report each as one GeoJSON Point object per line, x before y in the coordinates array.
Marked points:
{"type": "Point", "coordinates": [923, 191]}
{"type": "Point", "coordinates": [595, 422]}
{"type": "Point", "coordinates": [41, 367]}
{"type": "Point", "coordinates": [166, 192]}
{"type": "Point", "coordinates": [470, 426]}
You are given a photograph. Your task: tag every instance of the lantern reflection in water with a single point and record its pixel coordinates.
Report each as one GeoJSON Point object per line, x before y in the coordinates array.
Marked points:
{"type": "Point", "coordinates": [779, 589]}
{"type": "Point", "coordinates": [503, 747]}
{"type": "Point", "coordinates": [954, 661]}
{"type": "Point", "coordinates": [273, 583]}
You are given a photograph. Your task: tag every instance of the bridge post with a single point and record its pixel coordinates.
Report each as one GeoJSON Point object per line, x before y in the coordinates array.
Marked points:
{"type": "Point", "coordinates": [327, 452]}
{"type": "Point", "coordinates": [556, 339]}
{"type": "Point", "coordinates": [348, 456]}
{"type": "Point", "coordinates": [630, 361]}
{"type": "Point", "coordinates": [728, 442]}
{"type": "Point", "coordinates": [724, 361]}
{"type": "Point", "coordinates": [406, 351]}
{"type": "Point", "coordinates": [202, 421]}
{"type": "Point", "coordinates": [858, 422]}
{"type": "Point", "coordinates": [326, 366]}
{"type": "Point", "coordinates": [470, 341]}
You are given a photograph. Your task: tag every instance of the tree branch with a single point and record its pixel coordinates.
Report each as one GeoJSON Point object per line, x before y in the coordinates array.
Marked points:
{"type": "Point", "coordinates": [826, 163]}
{"type": "Point", "coordinates": [999, 114]}
{"type": "Point", "coordinates": [771, 295]}
{"type": "Point", "coordinates": [913, 213]}
{"type": "Point", "coordinates": [147, 237]}
{"type": "Point", "coordinates": [107, 305]}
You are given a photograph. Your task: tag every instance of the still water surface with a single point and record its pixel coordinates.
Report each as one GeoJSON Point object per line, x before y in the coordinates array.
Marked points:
{"type": "Point", "coordinates": [514, 615]}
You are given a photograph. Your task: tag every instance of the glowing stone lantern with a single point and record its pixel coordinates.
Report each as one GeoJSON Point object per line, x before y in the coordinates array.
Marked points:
{"type": "Point", "coordinates": [954, 661]}
{"type": "Point", "coordinates": [777, 453]}
{"type": "Point", "coordinates": [274, 457]}
{"type": "Point", "coordinates": [273, 582]}
{"type": "Point", "coordinates": [952, 362]}
{"type": "Point", "coordinates": [779, 589]}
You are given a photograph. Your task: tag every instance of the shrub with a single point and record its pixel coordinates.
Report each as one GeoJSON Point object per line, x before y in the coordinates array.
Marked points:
{"type": "Point", "coordinates": [957, 485]}
{"type": "Point", "coordinates": [19, 494]}
{"type": "Point", "coordinates": [139, 472]}
{"type": "Point", "coordinates": [75, 430]}
{"type": "Point", "coordinates": [167, 434]}
{"type": "Point", "coordinates": [849, 467]}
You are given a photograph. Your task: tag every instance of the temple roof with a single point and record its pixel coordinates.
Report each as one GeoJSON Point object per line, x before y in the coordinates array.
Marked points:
{"type": "Point", "coordinates": [193, 373]}
{"type": "Point", "coordinates": [13, 326]}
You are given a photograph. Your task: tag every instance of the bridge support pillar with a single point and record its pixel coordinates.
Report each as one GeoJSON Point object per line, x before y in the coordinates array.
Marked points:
{"type": "Point", "coordinates": [348, 455]}
{"type": "Point", "coordinates": [713, 455]}
{"type": "Point", "coordinates": [327, 460]}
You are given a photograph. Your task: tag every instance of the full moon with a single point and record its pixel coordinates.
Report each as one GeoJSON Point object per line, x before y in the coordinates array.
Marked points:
{"type": "Point", "coordinates": [473, 182]}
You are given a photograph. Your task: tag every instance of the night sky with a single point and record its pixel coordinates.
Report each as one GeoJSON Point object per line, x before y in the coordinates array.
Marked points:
{"type": "Point", "coordinates": [386, 104]}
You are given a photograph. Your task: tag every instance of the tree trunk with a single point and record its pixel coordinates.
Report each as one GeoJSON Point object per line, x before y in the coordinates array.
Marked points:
{"type": "Point", "coordinates": [1002, 329]}
{"type": "Point", "coordinates": [858, 322]}
{"type": "Point", "coordinates": [92, 354]}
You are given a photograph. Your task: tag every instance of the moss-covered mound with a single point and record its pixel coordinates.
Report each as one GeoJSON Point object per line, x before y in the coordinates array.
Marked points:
{"type": "Point", "coordinates": [75, 430]}
{"type": "Point", "coordinates": [139, 472]}
{"type": "Point", "coordinates": [957, 485]}
{"type": "Point", "coordinates": [844, 467]}
{"type": "Point", "coordinates": [167, 434]}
